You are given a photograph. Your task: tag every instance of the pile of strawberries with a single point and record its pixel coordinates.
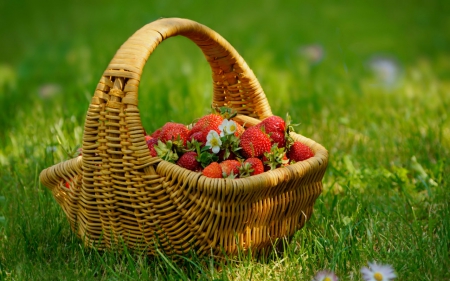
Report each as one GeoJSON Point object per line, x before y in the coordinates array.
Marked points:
{"type": "Point", "coordinates": [219, 147]}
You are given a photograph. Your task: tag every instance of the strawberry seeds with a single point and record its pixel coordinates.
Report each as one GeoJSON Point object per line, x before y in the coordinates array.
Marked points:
{"type": "Point", "coordinates": [219, 147]}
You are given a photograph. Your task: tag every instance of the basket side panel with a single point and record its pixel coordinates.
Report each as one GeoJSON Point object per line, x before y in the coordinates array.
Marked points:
{"type": "Point", "coordinates": [226, 216]}
{"type": "Point", "coordinates": [120, 178]}
{"type": "Point", "coordinates": [64, 181]}
{"type": "Point", "coordinates": [91, 224]}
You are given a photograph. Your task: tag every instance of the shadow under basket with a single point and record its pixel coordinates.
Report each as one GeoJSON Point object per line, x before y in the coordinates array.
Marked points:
{"type": "Point", "coordinates": [117, 193]}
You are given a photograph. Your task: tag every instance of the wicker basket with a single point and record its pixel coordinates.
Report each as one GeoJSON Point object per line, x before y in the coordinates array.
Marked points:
{"type": "Point", "coordinates": [120, 194]}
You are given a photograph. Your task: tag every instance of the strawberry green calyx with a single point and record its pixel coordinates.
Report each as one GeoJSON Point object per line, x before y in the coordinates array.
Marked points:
{"type": "Point", "coordinates": [204, 155]}
{"type": "Point", "coordinates": [246, 170]}
{"type": "Point", "coordinates": [250, 167]}
{"type": "Point", "coordinates": [226, 112]}
{"type": "Point", "coordinates": [178, 145]}
{"type": "Point", "coordinates": [166, 151]}
{"type": "Point", "coordinates": [276, 157]}
{"type": "Point", "coordinates": [289, 129]}
{"type": "Point", "coordinates": [193, 145]}
{"type": "Point", "coordinates": [230, 144]}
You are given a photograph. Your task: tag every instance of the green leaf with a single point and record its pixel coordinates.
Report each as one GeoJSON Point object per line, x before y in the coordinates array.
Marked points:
{"type": "Point", "coordinates": [421, 171]}
{"type": "Point", "coordinates": [276, 157]}
{"type": "Point", "coordinates": [349, 164]}
{"type": "Point", "coordinates": [206, 158]}
{"type": "Point", "coordinates": [227, 112]}
{"type": "Point", "coordinates": [165, 151]}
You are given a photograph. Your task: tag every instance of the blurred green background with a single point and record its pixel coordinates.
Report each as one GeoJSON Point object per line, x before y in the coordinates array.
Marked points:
{"type": "Point", "coordinates": [56, 51]}
{"type": "Point", "coordinates": [316, 60]}
{"type": "Point", "coordinates": [67, 44]}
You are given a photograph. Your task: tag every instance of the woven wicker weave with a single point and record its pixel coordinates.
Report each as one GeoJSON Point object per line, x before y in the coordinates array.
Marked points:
{"type": "Point", "coordinates": [118, 192]}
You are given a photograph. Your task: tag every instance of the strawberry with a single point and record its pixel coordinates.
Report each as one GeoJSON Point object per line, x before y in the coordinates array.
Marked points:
{"type": "Point", "coordinates": [250, 167]}
{"type": "Point", "coordinates": [273, 124]}
{"type": "Point", "coordinates": [278, 138]}
{"type": "Point", "coordinates": [275, 158]}
{"type": "Point", "coordinates": [156, 134]}
{"type": "Point", "coordinates": [213, 170]}
{"type": "Point", "coordinates": [151, 142]}
{"type": "Point", "coordinates": [189, 161]}
{"type": "Point", "coordinates": [239, 130]}
{"type": "Point", "coordinates": [198, 136]}
{"type": "Point", "coordinates": [275, 127]}
{"type": "Point", "coordinates": [173, 132]}
{"type": "Point", "coordinates": [205, 124]}
{"type": "Point", "coordinates": [299, 152]}
{"type": "Point", "coordinates": [230, 168]}
{"type": "Point", "coordinates": [254, 142]}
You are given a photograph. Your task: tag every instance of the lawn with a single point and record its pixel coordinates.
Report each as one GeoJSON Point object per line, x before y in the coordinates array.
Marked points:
{"type": "Point", "coordinates": [370, 81]}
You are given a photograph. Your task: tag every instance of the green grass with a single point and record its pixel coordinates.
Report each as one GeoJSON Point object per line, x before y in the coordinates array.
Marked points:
{"type": "Point", "coordinates": [386, 188]}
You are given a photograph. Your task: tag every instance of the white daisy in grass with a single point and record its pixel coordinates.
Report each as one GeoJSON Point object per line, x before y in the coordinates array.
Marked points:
{"type": "Point", "coordinates": [378, 272]}
{"type": "Point", "coordinates": [325, 275]}
{"type": "Point", "coordinates": [213, 141]}
{"type": "Point", "coordinates": [227, 127]}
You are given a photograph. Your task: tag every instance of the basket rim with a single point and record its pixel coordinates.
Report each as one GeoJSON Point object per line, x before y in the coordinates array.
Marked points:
{"type": "Point", "coordinates": [299, 169]}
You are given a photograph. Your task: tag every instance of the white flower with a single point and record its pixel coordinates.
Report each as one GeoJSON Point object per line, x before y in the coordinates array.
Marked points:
{"type": "Point", "coordinates": [227, 127]}
{"type": "Point", "coordinates": [378, 272]}
{"type": "Point", "coordinates": [213, 141]}
{"type": "Point", "coordinates": [51, 149]}
{"type": "Point", "coordinates": [325, 275]}
{"type": "Point", "coordinates": [313, 53]}
{"type": "Point", "coordinates": [386, 70]}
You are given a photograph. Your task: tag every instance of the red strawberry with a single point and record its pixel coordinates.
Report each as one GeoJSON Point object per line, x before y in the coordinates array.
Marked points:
{"type": "Point", "coordinates": [213, 170]}
{"type": "Point", "coordinates": [189, 161]}
{"type": "Point", "coordinates": [230, 168]}
{"type": "Point", "coordinates": [273, 124]}
{"type": "Point", "coordinates": [173, 131]}
{"type": "Point", "coordinates": [250, 167]}
{"type": "Point", "coordinates": [279, 138]}
{"type": "Point", "coordinates": [205, 124]}
{"type": "Point", "coordinates": [198, 136]}
{"type": "Point", "coordinates": [254, 142]}
{"type": "Point", "coordinates": [299, 152]}
{"type": "Point", "coordinates": [156, 134]}
{"type": "Point", "coordinates": [151, 142]}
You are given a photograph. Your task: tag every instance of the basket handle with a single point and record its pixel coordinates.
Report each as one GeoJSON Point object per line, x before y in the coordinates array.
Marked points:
{"type": "Point", "coordinates": [234, 83]}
